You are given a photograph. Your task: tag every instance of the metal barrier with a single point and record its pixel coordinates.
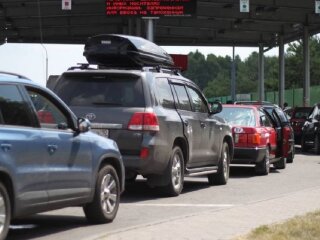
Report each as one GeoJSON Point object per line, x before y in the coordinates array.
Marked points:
{"type": "Point", "coordinates": [294, 96]}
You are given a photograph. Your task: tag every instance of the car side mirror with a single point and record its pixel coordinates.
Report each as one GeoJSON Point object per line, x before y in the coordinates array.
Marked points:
{"type": "Point", "coordinates": [84, 125]}
{"type": "Point", "coordinates": [216, 107]}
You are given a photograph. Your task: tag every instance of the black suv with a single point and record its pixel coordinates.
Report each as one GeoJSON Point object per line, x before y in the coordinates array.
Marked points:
{"type": "Point", "coordinates": [160, 120]}
{"type": "Point", "coordinates": [311, 132]}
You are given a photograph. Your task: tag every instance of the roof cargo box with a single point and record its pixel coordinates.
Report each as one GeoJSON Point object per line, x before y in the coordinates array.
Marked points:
{"type": "Point", "coordinates": [125, 51]}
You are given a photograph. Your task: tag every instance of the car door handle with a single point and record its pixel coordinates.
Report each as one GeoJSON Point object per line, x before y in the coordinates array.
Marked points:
{"type": "Point", "coordinates": [6, 147]}
{"type": "Point", "coordinates": [52, 148]}
{"type": "Point", "coordinates": [186, 123]}
{"type": "Point", "coordinates": [203, 125]}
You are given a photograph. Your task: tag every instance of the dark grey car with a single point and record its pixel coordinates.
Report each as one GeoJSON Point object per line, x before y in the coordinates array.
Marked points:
{"type": "Point", "coordinates": [49, 159]}
{"type": "Point", "coordinates": [160, 120]}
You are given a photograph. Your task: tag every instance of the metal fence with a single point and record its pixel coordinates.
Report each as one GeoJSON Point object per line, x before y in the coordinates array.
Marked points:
{"type": "Point", "coordinates": [294, 97]}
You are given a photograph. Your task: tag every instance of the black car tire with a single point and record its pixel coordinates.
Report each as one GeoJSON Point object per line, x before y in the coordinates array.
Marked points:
{"type": "Point", "coordinates": [317, 144]}
{"type": "Point", "coordinates": [263, 167]}
{"type": "Point", "coordinates": [175, 173]}
{"type": "Point", "coordinates": [291, 155]}
{"type": "Point", "coordinates": [304, 147]}
{"type": "Point", "coordinates": [107, 187]}
{"type": "Point", "coordinates": [222, 176]}
{"type": "Point", "coordinates": [5, 211]}
{"type": "Point", "coordinates": [281, 164]}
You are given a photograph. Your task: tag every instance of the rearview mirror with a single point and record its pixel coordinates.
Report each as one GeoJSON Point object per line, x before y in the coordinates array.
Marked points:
{"type": "Point", "coordinates": [84, 125]}
{"type": "Point", "coordinates": [216, 107]}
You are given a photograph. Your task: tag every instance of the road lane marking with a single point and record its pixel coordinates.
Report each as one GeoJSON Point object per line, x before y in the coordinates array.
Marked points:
{"type": "Point", "coordinates": [178, 205]}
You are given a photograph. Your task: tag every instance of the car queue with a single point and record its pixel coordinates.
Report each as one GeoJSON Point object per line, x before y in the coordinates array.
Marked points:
{"type": "Point", "coordinates": [146, 119]}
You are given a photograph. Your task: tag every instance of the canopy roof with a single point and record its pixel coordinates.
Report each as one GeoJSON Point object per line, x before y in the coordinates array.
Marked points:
{"type": "Point", "coordinates": [215, 23]}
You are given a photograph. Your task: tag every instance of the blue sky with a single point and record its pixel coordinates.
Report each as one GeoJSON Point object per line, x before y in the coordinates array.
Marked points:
{"type": "Point", "coordinates": [30, 59]}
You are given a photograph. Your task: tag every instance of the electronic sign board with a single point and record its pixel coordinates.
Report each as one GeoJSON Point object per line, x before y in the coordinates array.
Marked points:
{"type": "Point", "coordinates": [150, 8]}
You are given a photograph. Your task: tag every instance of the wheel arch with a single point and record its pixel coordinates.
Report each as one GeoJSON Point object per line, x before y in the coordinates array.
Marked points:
{"type": "Point", "coordinates": [183, 144]}
{"type": "Point", "coordinates": [228, 139]}
{"type": "Point", "coordinates": [114, 162]}
{"type": "Point", "coordinates": [8, 183]}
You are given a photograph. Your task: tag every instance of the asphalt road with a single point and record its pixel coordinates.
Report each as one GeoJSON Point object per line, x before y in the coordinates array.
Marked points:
{"type": "Point", "coordinates": [200, 212]}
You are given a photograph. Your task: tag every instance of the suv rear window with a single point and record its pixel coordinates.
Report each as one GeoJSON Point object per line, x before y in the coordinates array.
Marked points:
{"type": "Point", "coordinates": [100, 90]}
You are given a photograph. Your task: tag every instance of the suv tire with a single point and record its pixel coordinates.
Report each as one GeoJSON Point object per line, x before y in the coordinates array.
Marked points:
{"type": "Point", "coordinates": [291, 155]}
{"type": "Point", "coordinates": [281, 164]}
{"type": "Point", "coordinates": [222, 176]}
{"type": "Point", "coordinates": [175, 173]}
{"type": "Point", "coordinates": [105, 204]}
{"type": "Point", "coordinates": [317, 144]}
{"type": "Point", "coordinates": [5, 212]}
{"type": "Point", "coordinates": [304, 147]}
{"type": "Point", "coordinates": [263, 167]}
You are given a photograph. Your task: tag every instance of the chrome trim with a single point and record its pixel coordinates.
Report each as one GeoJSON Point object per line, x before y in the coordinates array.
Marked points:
{"type": "Point", "coordinates": [106, 125]}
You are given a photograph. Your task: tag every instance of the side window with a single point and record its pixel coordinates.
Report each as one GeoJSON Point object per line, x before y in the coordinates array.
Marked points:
{"type": "Point", "coordinates": [14, 110]}
{"type": "Point", "coordinates": [197, 102]}
{"type": "Point", "coordinates": [183, 99]}
{"type": "Point", "coordinates": [264, 120]}
{"type": "Point", "coordinates": [49, 115]}
{"type": "Point", "coordinates": [164, 93]}
{"type": "Point", "coordinates": [281, 115]}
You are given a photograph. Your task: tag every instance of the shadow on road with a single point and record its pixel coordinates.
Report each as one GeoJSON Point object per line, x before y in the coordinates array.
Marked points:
{"type": "Point", "coordinates": [37, 226]}
{"type": "Point", "coordinates": [43, 225]}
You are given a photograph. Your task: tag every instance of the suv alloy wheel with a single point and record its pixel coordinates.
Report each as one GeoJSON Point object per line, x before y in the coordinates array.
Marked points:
{"type": "Point", "coordinates": [222, 176]}
{"type": "Point", "coordinates": [175, 172]}
{"type": "Point", "coordinates": [106, 200]}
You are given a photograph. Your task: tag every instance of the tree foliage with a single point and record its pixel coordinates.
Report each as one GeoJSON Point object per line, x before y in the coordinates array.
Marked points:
{"type": "Point", "coordinates": [213, 73]}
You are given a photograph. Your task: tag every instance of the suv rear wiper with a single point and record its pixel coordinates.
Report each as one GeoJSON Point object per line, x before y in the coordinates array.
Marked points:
{"type": "Point", "coordinates": [107, 103]}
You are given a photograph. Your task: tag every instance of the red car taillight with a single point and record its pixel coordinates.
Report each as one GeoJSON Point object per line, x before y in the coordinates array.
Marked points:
{"type": "Point", "coordinates": [144, 122]}
{"type": "Point", "coordinates": [247, 137]}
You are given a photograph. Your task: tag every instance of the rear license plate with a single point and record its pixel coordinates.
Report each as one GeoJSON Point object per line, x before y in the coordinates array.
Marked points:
{"type": "Point", "coordinates": [101, 132]}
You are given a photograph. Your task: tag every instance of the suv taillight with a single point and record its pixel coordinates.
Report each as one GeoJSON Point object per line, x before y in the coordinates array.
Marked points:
{"type": "Point", "coordinates": [144, 121]}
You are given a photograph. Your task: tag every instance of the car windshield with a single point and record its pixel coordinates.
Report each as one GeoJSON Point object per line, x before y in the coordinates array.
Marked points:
{"type": "Point", "coordinates": [238, 116]}
{"type": "Point", "coordinates": [301, 113]}
{"type": "Point", "coordinates": [100, 90]}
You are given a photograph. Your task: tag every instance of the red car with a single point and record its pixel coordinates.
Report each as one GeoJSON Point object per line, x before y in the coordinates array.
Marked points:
{"type": "Point", "coordinates": [255, 137]}
{"type": "Point", "coordinates": [298, 117]}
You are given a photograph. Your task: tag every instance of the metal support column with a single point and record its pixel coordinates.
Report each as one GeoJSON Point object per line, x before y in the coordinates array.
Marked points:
{"type": "Point", "coordinates": [281, 72]}
{"type": "Point", "coordinates": [150, 35]}
{"type": "Point", "coordinates": [233, 76]}
{"type": "Point", "coordinates": [306, 60]}
{"type": "Point", "coordinates": [261, 73]}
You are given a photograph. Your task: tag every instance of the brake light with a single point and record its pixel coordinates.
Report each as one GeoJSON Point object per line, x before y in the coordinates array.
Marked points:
{"type": "Point", "coordinates": [144, 152]}
{"type": "Point", "coordinates": [144, 121]}
{"type": "Point", "coordinates": [254, 138]}
{"type": "Point", "coordinates": [247, 137]}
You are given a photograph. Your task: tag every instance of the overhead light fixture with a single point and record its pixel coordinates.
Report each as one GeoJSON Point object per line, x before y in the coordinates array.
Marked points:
{"type": "Point", "coordinates": [317, 6]}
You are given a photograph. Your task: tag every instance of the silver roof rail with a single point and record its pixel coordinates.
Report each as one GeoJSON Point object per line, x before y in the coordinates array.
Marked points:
{"type": "Point", "coordinates": [14, 74]}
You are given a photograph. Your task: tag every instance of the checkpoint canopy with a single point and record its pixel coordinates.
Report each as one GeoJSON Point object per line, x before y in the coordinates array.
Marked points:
{"type": "Point", "coordinates": [248, 23]}
{"type": "Point", "coordinates": [179, 22]}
